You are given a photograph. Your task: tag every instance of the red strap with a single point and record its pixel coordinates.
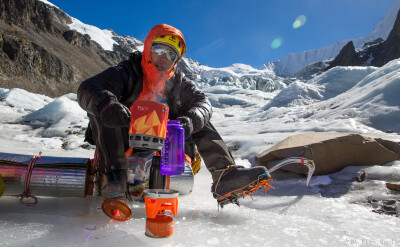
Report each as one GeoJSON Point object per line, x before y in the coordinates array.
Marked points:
{"type": "Point", "coordinates": [26, 192]}
{"type": "Point", "coordinates": [168, 182]}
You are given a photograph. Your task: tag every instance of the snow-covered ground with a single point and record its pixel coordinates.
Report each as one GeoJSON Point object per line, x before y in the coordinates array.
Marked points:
{"type": "Point", "coordinates": [235, 70]}
{"type": "Point", "coordinates": [333, 211]}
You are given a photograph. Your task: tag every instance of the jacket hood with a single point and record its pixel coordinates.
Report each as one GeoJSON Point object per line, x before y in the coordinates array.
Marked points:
{"type": "Point", "coordinates": [154, 80]}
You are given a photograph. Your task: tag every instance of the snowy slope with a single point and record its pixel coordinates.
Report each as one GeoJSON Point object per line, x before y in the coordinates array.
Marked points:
{"type": "Point", "coordinates": [106, 38]}
{"type": "Point", "coordinates": [334, 211]}
{"type": "Point", "coordinates": [48, 3]}
{"type": "Point", "coordinates": [367, 95]}
{"type": "Point", "coordinates": [293, 62]}
{"type": "Point", "coordinates": [242, 76]}
{"type": "Point", "coordinates": [323, 87]}
{"type": "Point", "coordinates": [340, 79]}
{"type": "Point", "coordinates": [374, 100]}
{"type": "Point", "coordinates": [235, 70]}
{"type": "Point", "coordinates": [102, 37]}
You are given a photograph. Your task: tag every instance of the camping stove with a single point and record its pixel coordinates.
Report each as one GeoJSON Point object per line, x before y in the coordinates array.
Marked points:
{"type": "Point", "coordinates": [148, 126]}
{"type": "Point", "coordinates": [159, 223]}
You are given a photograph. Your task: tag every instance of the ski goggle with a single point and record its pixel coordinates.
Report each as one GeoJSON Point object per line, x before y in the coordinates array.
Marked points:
{"type": "Point", "coordinates": [159, 51]}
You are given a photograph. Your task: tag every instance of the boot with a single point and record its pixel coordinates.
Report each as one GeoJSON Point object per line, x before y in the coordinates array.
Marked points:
{"type": "Point", "coordinates": [237, 181]}
{"type": "Point", "coordinates": [114, 184]}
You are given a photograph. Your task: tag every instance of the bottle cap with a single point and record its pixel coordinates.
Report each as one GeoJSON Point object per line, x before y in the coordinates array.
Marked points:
{"type": "Point", "coordinates": [116, 210]}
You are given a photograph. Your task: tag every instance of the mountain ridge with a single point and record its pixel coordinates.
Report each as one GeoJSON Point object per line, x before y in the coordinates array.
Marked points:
{"type": "Point", "coordinates": [44, 50]}
{"type": "Point", "coordinates": [39, 52]}
{"type": "Point", "coordinates": [294, 62]}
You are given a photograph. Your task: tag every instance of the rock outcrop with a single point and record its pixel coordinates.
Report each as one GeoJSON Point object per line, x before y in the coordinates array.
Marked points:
{"type": "Point", "coordinates": [39, 52]}
{"type": "Point", "coordinates": [390, 48]}
{"type": "Point", "coordinates": [346, 57]}
{"type": "Point", "coordinates": [376, 53]}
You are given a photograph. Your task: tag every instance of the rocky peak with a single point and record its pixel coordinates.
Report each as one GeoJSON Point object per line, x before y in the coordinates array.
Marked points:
{"type": "Point", "coordinates": [391, 46]}
{"type": "Point", "coordinates": [376, 53]}
{"type": "Point", "coordinates": [190, 68]}
{"type": "Point", "coordinates": [375, 42]}
{"type": "Point", "coordinates": [39, 52]}
{"type": "Point", "coordinates": [346, 57]}
{"type": "Point", "coordinates": [395, 33]}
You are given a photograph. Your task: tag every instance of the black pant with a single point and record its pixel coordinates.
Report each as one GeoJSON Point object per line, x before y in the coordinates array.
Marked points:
{"type": "Point", "coordinates": [212, 149]}
{"type": "Point", "coordinates": [112, 143]}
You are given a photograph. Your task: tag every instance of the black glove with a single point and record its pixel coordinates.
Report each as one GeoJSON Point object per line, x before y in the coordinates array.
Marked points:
{"type": "Point", "coordinates": [114, 114]}
{"type": "Point", "coordinates": [187, 125]}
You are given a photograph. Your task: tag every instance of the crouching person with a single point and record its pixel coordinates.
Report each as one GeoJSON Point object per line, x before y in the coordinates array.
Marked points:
{"type": "Point", "coordinates": [152, 75]}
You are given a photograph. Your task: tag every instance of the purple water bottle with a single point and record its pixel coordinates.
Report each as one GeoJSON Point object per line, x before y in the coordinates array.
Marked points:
{"type": "Point", "coordinates": [173, 152]}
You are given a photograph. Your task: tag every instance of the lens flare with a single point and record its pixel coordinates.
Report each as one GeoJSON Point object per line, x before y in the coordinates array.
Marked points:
{"type": "Point", "coordinates": [296, 24]}
{"type": "Point", "coordinates": [300, 21]}
{"type": "Point", "coordinates": [276, 43]}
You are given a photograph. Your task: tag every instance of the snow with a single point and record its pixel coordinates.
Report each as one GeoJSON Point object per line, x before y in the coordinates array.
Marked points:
{"type": "Point", "coordinates": [103, 37]}
{"type": "Point", "coordinates": [340, 79]}
{"type": "Point", "coordinates": [237, 75]}
{"type": "Point", "coordinates": [55, 117]}
{"type": "Point", "coordinates": [297, 93]}
{"type": "Point", "coordinates": [293, 62]}
{"type": "Point", "coordinates": [135, 44]}
{"type": "Point", "coordinates": [333, 211]}
{"type": "Point", "coordinates": [48, 3]}
{"type": "Point", "coordinates": [323, 87]}
{"type": "Point", "coordinates": [236, 70]}
{"type": "Point", "coordinates": [23, 100]}
{"type": "Point", "coordinates": [373, 100]}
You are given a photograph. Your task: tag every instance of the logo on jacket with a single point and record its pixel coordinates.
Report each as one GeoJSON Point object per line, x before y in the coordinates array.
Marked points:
{"type": "Point", "coordinates": [142, 108]}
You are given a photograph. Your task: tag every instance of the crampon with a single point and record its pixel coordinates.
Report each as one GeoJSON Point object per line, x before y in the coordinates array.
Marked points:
{"type": "Point", "coordinates": [233, 196]}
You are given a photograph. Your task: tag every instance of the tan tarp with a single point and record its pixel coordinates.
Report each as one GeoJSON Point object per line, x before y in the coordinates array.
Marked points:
{"type": "Point", "coordinates": [331, 151]}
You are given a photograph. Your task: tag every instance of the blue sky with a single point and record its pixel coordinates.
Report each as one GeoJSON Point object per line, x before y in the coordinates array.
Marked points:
{"type": "Point", "coordinates": [219, 33]}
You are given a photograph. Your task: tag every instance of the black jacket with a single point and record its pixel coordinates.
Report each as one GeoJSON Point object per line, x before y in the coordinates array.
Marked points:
{"type": "Point", "coordinates": [124, 83]}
